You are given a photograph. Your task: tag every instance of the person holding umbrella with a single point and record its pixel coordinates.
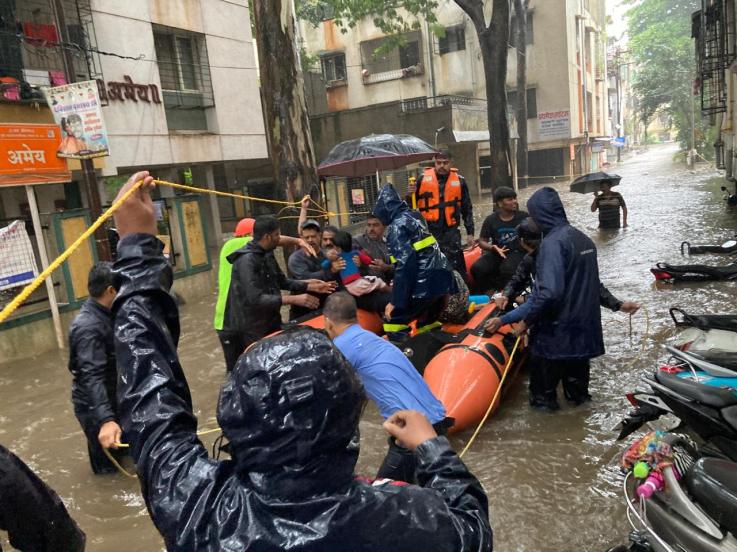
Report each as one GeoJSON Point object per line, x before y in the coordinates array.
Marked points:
{"type": "Point", "coordinates": [444, 201]}
{"type": "Point", "coordinates": [608, 203]}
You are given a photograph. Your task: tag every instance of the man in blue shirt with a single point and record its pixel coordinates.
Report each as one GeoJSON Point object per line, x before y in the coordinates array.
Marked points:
{"type": "Point", "coordinates": [389, 378]}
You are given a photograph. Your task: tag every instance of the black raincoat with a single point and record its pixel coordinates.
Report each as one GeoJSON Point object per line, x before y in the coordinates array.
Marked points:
{"type": "Point", "coordinates": [92, 364]}
{"type": "Point", "coordinates": [32, 513]}
{"type": "Point", "coordinates": [422, 273]}
{"type": "Point", "coordinates": [290, 409]}
{"type": "Point", "coordinates": [254, 300]}
{"type": "Point", "coordinates": [565, 306]}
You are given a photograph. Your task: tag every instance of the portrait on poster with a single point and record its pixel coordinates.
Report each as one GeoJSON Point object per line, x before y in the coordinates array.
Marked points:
{"type": "Point", "coordinates": [76, 108]}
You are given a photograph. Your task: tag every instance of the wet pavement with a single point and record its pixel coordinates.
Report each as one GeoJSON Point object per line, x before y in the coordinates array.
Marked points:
{"type": "Point", "coordinates": [552, 479]}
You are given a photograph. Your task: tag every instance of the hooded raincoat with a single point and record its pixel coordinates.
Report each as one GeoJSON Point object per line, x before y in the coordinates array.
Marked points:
{"type": "Point", "coordinates": [290, 410]}
{"type": "Point", "coordinates": [32, 513]}
{"type": "Point", "coordinates": [565, 305]}
{"type": "Point", "coordinates": [421, 271]}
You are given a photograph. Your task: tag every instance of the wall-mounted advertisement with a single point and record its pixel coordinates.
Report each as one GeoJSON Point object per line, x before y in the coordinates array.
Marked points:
{"type": "Point", "coordinates": [76, 109]}
{"type": "Point", "coordinates": [554, 124]}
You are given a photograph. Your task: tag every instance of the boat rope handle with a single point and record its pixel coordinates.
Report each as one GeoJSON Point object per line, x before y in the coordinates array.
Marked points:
{"type": "Point", "coordinates": [496, 396]}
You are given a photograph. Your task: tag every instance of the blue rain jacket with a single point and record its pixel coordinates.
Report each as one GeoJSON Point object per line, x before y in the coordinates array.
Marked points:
{"type": "Point", "coordinates": [418, 273]}
{"type": "Point", "coordinates": [565, 306]}
{"type": "Point", "coordinates": [290, 410]}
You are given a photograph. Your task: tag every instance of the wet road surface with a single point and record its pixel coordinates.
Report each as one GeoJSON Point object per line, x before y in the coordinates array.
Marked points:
{"type": "Point", "coordinates": [552, 479]}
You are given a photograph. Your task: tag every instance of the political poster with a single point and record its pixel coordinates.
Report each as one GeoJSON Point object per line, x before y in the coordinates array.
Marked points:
{"type": "Point", "coordinates": [76, 108]}
{"type": "Point", "coordinates": [17, 262]}
{"type": "Point", "coordinates": [554, 124]}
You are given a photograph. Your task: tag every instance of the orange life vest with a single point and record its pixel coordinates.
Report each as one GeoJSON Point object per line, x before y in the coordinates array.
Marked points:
{"type": "Point", "coordinates": [428, 197]}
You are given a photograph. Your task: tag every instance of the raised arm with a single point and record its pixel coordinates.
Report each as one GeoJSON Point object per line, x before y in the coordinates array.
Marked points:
{"type": "Point", "coordinates": [154, 399]}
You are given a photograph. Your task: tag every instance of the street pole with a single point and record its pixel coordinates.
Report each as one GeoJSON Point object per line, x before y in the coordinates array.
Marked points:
{"type": "Point", "coordinates": [31, 195]}
{"type": "Point", "coordinates": [93, 198]}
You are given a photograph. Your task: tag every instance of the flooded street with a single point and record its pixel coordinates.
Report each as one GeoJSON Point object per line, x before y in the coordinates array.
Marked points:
{"type": "Point", "coordinates": [552, 479]}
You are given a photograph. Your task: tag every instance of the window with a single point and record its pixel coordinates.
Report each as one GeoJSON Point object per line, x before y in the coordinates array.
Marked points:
{"type": "Point", "coordinates": [333, 67]}
{"type": "Point", "coordinates": [382, 64]}
{"type": "Point", "coordinates": [185, 77]}
{"type": "Point", "coordinates": [453, 41]}
{"type": "Point", "coordinates": [529, 39]}
{"type": "Point", "coordinates": [531, 101]}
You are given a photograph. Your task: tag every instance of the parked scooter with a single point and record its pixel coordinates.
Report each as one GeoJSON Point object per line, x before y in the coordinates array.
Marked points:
{"type": "Point", "coordinates": [676, 501]}
{"type": "Point", "coordinates": [703, 395]}
{"type": "Point", "coordinates": [729, 246]}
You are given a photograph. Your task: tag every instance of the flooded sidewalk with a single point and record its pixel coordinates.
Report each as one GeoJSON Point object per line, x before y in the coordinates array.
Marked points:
{"type": "Point", "coordinates": [552, 479]}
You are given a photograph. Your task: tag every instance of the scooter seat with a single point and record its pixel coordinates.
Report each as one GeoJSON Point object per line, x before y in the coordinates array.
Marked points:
{"type": "Point", "coordinates": [705, 394]}
{"type": "Point", "coordinates": [713, 483]}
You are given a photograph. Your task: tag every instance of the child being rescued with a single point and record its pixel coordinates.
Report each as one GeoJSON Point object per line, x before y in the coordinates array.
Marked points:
{"type": "Point", "coordinates": [371, 292]}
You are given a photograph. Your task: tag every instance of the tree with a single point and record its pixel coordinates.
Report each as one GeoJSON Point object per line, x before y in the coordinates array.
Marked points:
{"type": "Point", "coordinates": [520, 40]}
{"type": "Point", "coordinates": [396, 16]}
{"type": "Point", "coordinates": [660, 45]}
{"type": "Point", "coordinates": [282, 94]}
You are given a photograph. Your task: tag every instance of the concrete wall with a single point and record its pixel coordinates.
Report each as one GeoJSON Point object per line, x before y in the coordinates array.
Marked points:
{"type": "Point", "coordinates": [138, 131]}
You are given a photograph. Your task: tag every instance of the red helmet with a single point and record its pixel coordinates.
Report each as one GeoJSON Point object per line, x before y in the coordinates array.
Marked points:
{"type": "Point", "coordinates": [245, 227]}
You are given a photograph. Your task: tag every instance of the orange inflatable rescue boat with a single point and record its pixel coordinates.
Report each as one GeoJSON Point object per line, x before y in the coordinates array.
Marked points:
{"type": "Point", "coordinates": [468, 368]}
{"type": "Point", "coordinates": [368, 320]}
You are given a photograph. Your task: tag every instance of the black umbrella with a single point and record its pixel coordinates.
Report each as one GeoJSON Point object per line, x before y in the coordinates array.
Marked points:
{"type": "Point", "coordinates": [591, 182]}
{"type": "Point", "coordinates": [374, 153]}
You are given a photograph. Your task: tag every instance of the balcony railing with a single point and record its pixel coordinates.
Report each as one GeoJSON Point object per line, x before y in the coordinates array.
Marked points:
{"type": "Point", "coordinates": [427, 102]}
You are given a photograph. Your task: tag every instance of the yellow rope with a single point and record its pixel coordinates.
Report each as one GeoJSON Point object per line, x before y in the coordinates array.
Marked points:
{"type": "Point", "coordinates": [496, 395]}
{"type": "Point", "coordinates": [226, 194]}
{"type": "Point", "coordinates": [30, 288]}
{"type": "Point", "coordinates": [122, 470]}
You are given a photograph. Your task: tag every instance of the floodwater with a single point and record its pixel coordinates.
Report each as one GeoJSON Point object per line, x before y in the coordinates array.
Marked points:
{"type": "Point", "coordinates": [552, 479]}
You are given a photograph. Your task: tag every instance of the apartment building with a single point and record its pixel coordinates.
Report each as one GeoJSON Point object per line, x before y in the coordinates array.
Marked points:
{"type": "Point", "coordinates": [178, 83]}
{"type": "Point", "coordinates": [434, 87]}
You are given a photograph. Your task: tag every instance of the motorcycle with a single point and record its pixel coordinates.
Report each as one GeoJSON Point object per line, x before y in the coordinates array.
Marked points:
{"type": "Point", "coordinates": [676, 501]}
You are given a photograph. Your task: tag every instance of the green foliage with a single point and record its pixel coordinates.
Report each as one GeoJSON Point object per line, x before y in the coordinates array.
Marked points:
{"type": "Point", "coordinates": [309, 62]}
{"type": "Point", "coordinates": [660, 45]}
{"type": "Point", "coordinates": [393, 17]}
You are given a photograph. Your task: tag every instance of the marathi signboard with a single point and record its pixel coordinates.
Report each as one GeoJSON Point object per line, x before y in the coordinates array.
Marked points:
{"type": "Point", "coordinates": [18, 265]}
{"type": "Point", "coordinates": [76, 108]}
{"type": "Point", "coordinates": [554, 124]}
{"type": "Point", "coordinates": [28, 155]}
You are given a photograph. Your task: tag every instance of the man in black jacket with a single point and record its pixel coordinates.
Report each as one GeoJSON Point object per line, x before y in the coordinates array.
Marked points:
{"type": "Point", "coordinates": [92, 364]}
{"type": "Point", "coordinates": [290, 410]}
{"type": "Point", "coordinates": [255, 299]}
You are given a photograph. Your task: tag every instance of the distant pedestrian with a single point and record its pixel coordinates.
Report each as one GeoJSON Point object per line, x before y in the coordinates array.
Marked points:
{"type": "Point", "coordinates": [609, 203]}
{"type": "Point", "coordinates": [443, 200]}
{"type": "Point", "coordinates": [390, 380]}
{"type": "Point", "coordinates": [93, 367]}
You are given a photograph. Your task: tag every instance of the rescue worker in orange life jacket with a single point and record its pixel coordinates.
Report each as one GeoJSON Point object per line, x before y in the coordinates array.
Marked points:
{"type": "Point", "coordinates": [443, 200]}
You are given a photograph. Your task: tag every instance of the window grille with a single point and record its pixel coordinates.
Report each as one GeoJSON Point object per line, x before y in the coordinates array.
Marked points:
{"type": "Point", "coordinates": [380, 64]}
{"type": "Point", "coordinates": [531, 101]}
{"type": "Point", "coordinates": [183, 68]}
{"type": "Point", "coordinates": [333, 67]}
{"type": "Point", "coordinates": [453, 41]}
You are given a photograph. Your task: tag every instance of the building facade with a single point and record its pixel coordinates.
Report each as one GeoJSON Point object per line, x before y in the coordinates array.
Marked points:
{"type": "Point", "coordinates": [178, 83]}
{"type": "Point", "coordinates": [435, 87]}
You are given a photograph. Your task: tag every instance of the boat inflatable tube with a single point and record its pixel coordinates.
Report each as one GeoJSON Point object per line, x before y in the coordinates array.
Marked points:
{"type": "Point", "coordinates": [694, 273]}
{"type": "Point", "coordinates": [471, 255]}
{"type": "Point", "coordinates": [368, 320]}
{"type": "Point", "coordinates": [465, 374]}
